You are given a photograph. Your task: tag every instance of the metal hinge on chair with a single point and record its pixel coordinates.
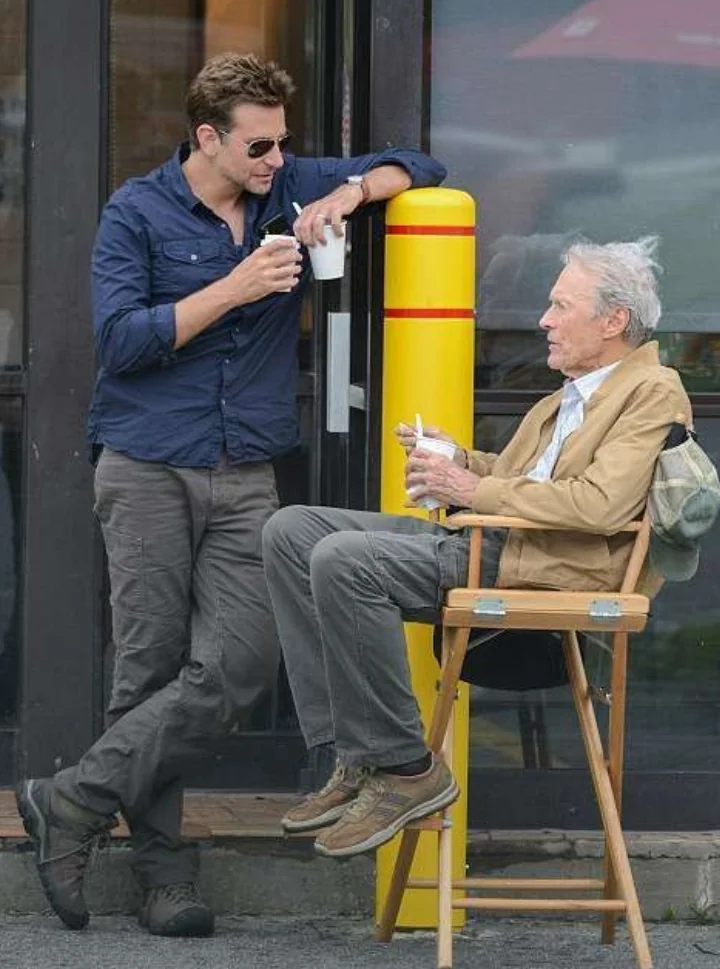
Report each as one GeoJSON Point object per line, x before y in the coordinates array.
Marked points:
{"type": "Point", "coordinates": [602, 610]}
{"type": "Point", "coordinates": [492, 608]}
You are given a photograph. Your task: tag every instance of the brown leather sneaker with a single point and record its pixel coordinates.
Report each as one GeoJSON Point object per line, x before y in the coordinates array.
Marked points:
{"type": "Point", "coordinates": [327, 805]}
{"type": "Point", "coordinates": [386, 803]}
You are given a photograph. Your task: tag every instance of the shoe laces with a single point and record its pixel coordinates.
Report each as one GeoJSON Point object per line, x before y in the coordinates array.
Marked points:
{"type": "Point", "coordinates": [178, 892]}
{"type": "Point", "coordinates": [99, 843]}
{"type": "Point", "coordinates": [341, 773]}
{"type": "Point", "coordinates": [88, 851]}
{"type": "Point", "coordinates": [370, 792]}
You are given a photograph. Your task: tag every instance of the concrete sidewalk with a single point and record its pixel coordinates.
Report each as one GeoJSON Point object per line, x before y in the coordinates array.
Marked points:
{"type": "Point", "coordinates": [37, 942]}
{"type": "Point", "coordinates": [249, 869]}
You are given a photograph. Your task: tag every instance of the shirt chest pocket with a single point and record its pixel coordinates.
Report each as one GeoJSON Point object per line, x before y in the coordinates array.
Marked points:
{"type": "Point", "coordinates": [182, 266]}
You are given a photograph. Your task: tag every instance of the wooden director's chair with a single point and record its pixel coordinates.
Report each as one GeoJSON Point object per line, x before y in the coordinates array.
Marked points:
{"type": "Point", "coordinates": [472, 607]}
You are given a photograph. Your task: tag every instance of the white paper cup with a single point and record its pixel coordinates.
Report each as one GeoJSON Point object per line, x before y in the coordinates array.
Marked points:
{"type": "Point", "coordinates": [270, 237]}
{"type": "Point", "coordinates": [328, 261]}
{"type": "Point", "coordinates": [436, 446]}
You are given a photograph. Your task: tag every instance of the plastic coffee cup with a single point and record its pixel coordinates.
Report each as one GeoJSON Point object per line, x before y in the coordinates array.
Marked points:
{"type": "Point", "coordinates": [271, 237]}
{"type": "Point", "coordinates": [436, 446]}
{"type": "Point", "coordinates": [328, 261]}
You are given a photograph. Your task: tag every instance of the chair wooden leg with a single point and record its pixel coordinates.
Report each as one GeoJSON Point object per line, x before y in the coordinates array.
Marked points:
{"type": "Point", "coordinates": [445, 927]}
{"type": "Point", "coordinates": [606, 799]}
{"type": "Point", "coordinates": [454, 648]}
{"type": "Point", "coordinates": [616, 748]}
{"type": "Point", "coordinates": [445, 859]}
{"type": "Point", "coordinates": [401, 872]}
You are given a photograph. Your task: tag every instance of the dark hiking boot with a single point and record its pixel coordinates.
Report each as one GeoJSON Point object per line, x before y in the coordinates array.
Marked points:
{"type": "Point", "coordinates": [64, 837]}
{"type": "Point", "coordinates": [176, 910]}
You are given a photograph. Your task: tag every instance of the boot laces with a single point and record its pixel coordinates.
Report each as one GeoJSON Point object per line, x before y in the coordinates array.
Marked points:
{"type": "Point", "coordinates": [87, 852]}
{"type": "Point", "coordinates": [179, 892]}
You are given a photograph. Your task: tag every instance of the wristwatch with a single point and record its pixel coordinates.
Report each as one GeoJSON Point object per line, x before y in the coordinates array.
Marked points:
{"type": "Point", "coordinates": [360, 180]}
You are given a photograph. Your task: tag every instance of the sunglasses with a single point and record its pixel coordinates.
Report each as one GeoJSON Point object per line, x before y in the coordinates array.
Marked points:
{"type": "Point", "coordinates": [259, 147]}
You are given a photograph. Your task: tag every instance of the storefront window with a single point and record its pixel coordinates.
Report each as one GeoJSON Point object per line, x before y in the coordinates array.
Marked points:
{"type": "Point", "coordinates": [565, 118]}
{"type": "Point", "coordinates": [157, 46]}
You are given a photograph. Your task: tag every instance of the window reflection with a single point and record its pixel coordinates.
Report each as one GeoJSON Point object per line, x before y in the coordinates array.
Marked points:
{"type": "Point", "coordinates": [597, 118]}
{"type": "Point", "coordinates": [158, 46]}
{"type": "Point", "coordinates": [12, 179]}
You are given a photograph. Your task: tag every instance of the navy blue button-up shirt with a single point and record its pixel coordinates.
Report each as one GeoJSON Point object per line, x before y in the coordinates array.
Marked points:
{"type": "Point", "coordinates": [234, 384]}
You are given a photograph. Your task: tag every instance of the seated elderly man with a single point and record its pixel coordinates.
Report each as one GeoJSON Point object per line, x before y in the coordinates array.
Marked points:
{"type": "Point", "coordinates": [343, 582]}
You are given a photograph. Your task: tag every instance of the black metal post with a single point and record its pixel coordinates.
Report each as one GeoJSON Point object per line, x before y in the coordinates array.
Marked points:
{"type": "Point", "coordinates": [62, 567]}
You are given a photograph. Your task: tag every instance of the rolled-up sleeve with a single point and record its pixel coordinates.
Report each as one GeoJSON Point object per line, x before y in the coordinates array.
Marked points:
{"type": "Point", "coordinates": [131, 333]}
{"type": "Point", "coordinates": [311, 178]}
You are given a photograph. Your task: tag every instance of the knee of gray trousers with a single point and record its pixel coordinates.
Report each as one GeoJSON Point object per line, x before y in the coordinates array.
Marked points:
{"type": "Point", "coordinates": [337, 554]}
{"type": "Point", "coordinates": [282, 526]}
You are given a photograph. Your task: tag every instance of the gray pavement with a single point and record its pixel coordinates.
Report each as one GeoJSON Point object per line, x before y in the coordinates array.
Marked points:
{"type": "Point", "coordinates": [39, 942]}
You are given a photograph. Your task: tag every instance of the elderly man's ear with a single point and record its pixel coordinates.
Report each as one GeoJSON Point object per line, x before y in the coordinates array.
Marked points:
{"type": "Point", "coordinates": [616, 322]}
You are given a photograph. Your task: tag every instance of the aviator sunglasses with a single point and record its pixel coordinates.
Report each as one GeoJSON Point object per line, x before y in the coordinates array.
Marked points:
{"type": "Point", "coordinates": [261, 146]}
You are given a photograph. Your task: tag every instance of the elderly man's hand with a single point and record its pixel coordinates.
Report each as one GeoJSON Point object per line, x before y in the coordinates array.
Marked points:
{"type": "Point", "coordinates": [435, 476]}
{"type": "Point", "coordinates": [407, 437]}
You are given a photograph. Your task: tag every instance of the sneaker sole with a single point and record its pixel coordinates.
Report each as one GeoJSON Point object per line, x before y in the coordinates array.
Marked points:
{"type": "Point", "coordinates": [439, 802]}
{"type": "Point", "coordinates": [36, 830]}
{"type": "Point", "coordinates": [321, 821]}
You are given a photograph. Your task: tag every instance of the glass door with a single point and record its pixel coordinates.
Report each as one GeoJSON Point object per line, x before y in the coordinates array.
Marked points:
{"type": "Point", "coordinates": [156, 47]}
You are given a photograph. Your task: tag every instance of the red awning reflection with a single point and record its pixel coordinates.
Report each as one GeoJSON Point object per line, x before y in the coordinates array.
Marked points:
{"type": "Point", "coordinates": [666, 31]}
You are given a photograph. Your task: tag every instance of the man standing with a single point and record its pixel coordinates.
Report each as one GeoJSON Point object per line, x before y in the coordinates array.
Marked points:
{"type": "Point", "coordinates": [343, 582]}
{"type": "Point", "coordinates": [196, 327]}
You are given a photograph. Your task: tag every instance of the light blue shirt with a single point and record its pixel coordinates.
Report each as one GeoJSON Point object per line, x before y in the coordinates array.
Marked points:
{"type": "Point", "coordinates": [576, 393]}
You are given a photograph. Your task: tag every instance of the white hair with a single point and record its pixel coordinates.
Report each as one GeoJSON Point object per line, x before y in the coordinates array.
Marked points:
{"type": "Point", "coordinates": [626, 277]}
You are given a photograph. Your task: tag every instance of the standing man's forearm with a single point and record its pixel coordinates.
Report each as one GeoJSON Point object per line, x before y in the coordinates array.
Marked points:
{"type": "Point", "coordinates": [385, 182]}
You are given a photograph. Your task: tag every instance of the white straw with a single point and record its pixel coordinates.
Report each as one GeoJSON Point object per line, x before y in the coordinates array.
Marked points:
{"type": "Point", "coordinates": [418, 425]}
{"type": "Point", "coordinates": [298, 208]}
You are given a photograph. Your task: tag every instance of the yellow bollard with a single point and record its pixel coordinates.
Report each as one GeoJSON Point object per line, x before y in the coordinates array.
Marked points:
{"type": "Point", "coordinates": [428, 362]}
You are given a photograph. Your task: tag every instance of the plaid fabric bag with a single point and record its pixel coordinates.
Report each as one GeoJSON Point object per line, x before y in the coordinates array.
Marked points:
{"type": "Point", "coordinates": [683, 504]}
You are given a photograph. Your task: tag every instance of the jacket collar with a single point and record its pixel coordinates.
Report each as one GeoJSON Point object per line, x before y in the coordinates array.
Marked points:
{"type": "Point", "coordinates": [646, 355]}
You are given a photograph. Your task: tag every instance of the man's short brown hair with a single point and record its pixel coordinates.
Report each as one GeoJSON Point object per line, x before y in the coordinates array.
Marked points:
{"type": "Point", "coordinates": [228, 80]}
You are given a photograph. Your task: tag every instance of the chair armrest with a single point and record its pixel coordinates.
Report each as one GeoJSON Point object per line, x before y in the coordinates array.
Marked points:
{"type": "Point", "coordinates": [465, 519]}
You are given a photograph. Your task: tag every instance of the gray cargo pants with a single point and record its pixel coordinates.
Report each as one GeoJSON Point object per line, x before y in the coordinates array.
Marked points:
{"type": "Point", "coordinates": [342, 583]}
{"type": "Point", "coordinates": [194, 636]}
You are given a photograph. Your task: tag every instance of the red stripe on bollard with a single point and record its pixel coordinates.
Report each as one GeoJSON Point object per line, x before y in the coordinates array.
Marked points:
{"type": "Point", "coordinates": [429, 314]}
{"type": "Point", "coordinates": [430, 230]}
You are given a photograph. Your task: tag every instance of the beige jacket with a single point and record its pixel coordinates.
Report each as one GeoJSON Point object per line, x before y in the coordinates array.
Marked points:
{"type": "Point", "coordinates": [600, 482]}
